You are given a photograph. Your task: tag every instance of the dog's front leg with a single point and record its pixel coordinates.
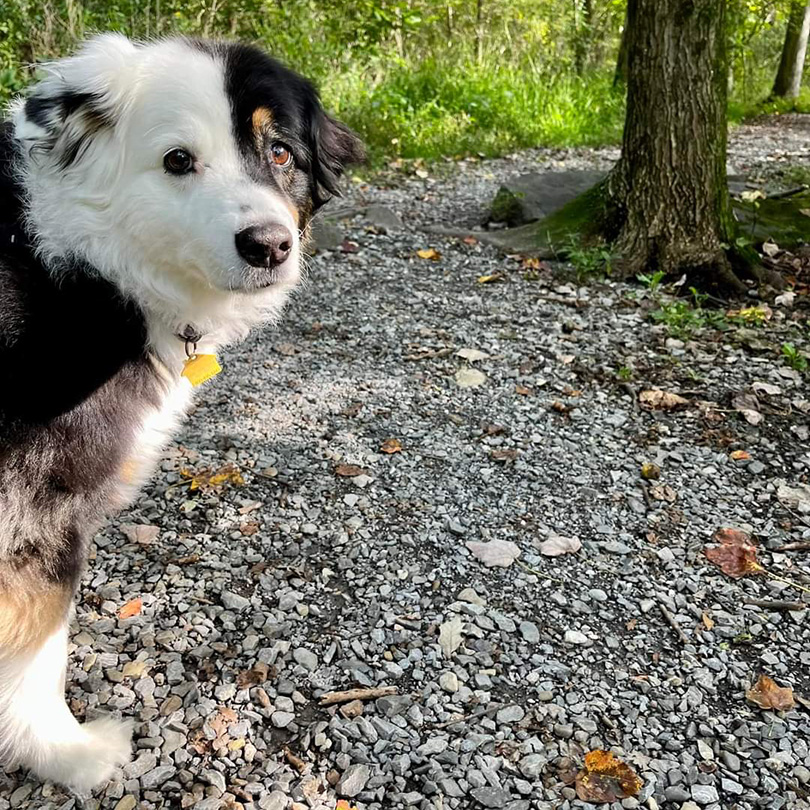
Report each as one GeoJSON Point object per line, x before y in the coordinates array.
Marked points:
{"type": "Point", "coordinates": [37, 729]}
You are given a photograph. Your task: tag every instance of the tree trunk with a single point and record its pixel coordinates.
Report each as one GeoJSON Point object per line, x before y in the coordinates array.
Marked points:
{"type": "Point", "coordinates": [665, 205]}
{"type": "Point", "coordinates": [791, 65]}
{"type": "Point", "coordinates": [583, 17]}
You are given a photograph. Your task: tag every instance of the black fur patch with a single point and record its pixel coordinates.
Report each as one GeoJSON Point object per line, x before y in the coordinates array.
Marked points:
{"type": "Point", "coordinates": [322, 146]}
{"type": "Point", "coordinates": [75, 381]}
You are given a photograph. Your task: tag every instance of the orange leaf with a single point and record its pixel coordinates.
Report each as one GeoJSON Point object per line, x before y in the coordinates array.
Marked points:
{"type": "Point", "coordinates": [429, 253]}
{"type": "Point", "coordinates": [736, 556]}
{"type": "Point", "coordinates": [131, 608]}
{"type": "Point", "coordinates": [344, 805]}
{"type": "Point", "coordinates": [767, 695]}
{"type": "Point", "coordinates": [490, 278]}
{"type": "Point", "coordinates": [348, 470]}
{"type": "Point", "coordinates": [606, 779]}
{"type": "Point", "coordinates": [391, 446]}
{"type": "Point", "coordinates": [740, 455]}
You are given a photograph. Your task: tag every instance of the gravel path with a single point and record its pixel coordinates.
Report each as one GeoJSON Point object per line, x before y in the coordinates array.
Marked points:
{"type": "Point", "coordinates": [333, 565]}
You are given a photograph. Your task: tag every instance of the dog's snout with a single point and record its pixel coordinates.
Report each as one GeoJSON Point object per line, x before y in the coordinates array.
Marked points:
{"type": "Point", "coordinates": [264, 245]}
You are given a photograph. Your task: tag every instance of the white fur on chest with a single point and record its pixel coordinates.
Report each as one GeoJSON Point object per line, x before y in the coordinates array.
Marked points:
{"type": "Point", "coordinates": [156, 431]}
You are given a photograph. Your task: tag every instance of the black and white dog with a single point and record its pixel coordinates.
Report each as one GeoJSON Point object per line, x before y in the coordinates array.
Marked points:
{"type": "Point", "coordinates": [154, 202]}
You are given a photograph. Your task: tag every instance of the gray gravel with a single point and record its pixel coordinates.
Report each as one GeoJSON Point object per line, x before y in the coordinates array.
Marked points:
{"type": "Point", "coordinates": [260, 597]}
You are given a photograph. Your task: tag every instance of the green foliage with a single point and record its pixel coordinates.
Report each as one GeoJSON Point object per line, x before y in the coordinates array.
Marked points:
{"type": "Point", "coordinates": [652, 281]}
{"type": "Point", "coordinates": [683, 317]}
{"type": "Point", "coordinates": [589, 261]}
{"type": "Point", "coordinates": [794, 358]}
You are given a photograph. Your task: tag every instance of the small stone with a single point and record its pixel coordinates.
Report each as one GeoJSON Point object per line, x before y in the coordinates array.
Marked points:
{"type": "Point", "coordinates": [705, 750]}
{"type": "Point", "coordinates": [274, 801]}
{"type": "Point", "coordinates": [282, 719]}
{"type": "Point", "coordinates": [529, 632]}
{"type": "Point", "coordinates": [127, 802]}
{"type": "Point", "coordinates": [575, 637]}
{"type": "Point", "coordinates": [215, 779]}
{"type": "Point", "coordinates": [756, 468]}
{"type": "Point", "coordinates": [157, 776]}
{"type": "Point", "coordinates": [491, 797]}
{"type": "Point", "coordinates": [471, 597]}
{"type": "Point", "coordinates": [704, 794]}
{"type": "Point", "coordinates": [731, 761]}
{"type": "Point", "coordinates": [730, 786]}
{"type": "Point", "coordinates": [435, 745]}
{"type": "Point", "coordinates": [137, 768]}
{"type": "Point", "coordinates": [531, 766]}
{"type": "Point", "coordinates": [448, 681]}
{"type": "Point", "coordinates": [392, 705]}
{"type": "Point", "coordinates": [233, 601]}
{"type": "Point", "coordinates": [510, 714]}
{"type": "Point", "coordinates": [306, 659]}
{"type": "Point", "coordinates": [353, 780]}
{"type": "Point", "coordinates": [676, 793]}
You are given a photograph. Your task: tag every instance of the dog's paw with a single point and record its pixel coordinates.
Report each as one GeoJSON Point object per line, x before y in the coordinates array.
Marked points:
{"type": "Point", "coordinates": [93, 758]}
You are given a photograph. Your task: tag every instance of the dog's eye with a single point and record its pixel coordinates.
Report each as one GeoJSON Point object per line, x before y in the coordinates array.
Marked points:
{"type": "Point", "coordinates": [178, 161]}
{"type": "Point", "coordinates": [280, 154]}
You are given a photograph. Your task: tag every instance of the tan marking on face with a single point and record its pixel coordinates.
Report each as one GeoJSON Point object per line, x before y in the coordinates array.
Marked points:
{"type": "Point", "coordinates": [29, 615]}
{"type": "Point", "coordinates": [262, 121]}
{"type": "Point", "coordinates": [294, 212]}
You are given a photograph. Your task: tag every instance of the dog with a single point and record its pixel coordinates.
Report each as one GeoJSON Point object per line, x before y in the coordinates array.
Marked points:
{"type": "Point", "coordinates": [156, 199]}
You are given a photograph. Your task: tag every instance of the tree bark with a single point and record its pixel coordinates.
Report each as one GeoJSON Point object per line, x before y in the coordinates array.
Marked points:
{"type": "Point", "coordinates": [791, 66]}
{"type": "Point", "coordinates": [666, 205]}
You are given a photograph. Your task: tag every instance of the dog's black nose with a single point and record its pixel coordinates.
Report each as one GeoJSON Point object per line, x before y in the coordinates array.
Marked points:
{"type": "Point", "coordinates": [264, 245]}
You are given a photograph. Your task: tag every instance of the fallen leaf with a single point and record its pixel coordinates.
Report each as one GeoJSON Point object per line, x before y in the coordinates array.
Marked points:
{"type": "Point", "coordinates": [606, 779]}
{"type": "Point", "coordinates": [560, 407]}
{"type": "Point", "coordinates": [504, 455]}
{"type": "Point", "coordinates": [249, 529]}
{"type": "Point", "coordinates": [140, 533]}
{"type": "Point", "coordinates": [489, 279]}
{"type": "Point", "coordinates": [523, 391]}
{"type": "Point", "coordinates": [770, 249]}
{"type": "Point", "coordinates": [708, 621]}
{"type": "Point", "coordinates": [255, 676]}
{"type": "Point", "coordinates": [557, 545]}
{"type": "Point", "coordinates": [470, 378]}
{"type": "Point", "coordinates": [391, 446]}
{"type": "Point", "coordinates": [661, 400]}
{"type": "Point", "coordinates": [347, 246]}
{"type": "Point", "coordinates": [736, 556]}
{"type": "Point", "coordinates": [470, 240]}
{"type": "Point", "coordinates": [752, 196]}
{"type": "Point", "coordinates": [450, 635]}
{"type": "Point", "coordinates": [740, 455]}
{"type": "Point", "coordinates": [250, 506]}
{"type": "Point", "coordinates": [472, 355]}
{"type": "Point", "coordinates": [131, 608]}
{"type": "Point", "coordinates": [650, 471]}
{"type": "Point", "coordinates": [663, 492]}
{"type": "Point", "coordinates": [207, 480]}
{"type": "Point", "coordinates": [766, 388]}
{"type": "Point", "coordinates": [429, 253]}
{"type": "Point", "coordinates": [344, 805]}
{"type": "Point", "coordinates": [219, 725]}
{"type": "Point", "coordinates": [349, 470]}
{"type": "Point", "coordinates": [768, 695]}
{"type": "Point", "coordinates": [494, 553]}
{"type": "Point", "coordinates": [786, 299]}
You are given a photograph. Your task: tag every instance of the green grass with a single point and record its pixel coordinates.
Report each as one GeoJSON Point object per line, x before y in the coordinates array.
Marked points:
{"type": "Point", "coordinates": [434, 110]}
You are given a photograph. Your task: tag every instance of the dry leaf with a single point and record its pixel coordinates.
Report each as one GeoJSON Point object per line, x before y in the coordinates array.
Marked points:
{"type": "Point", "coordinates": [504, 455]}
{"type": "Point", "coordinates": [140, 533]}
{"type": "Point", "coordinates": [767, 695]}
{"type": "Point", "coordinates": [470, 378]}
{"type": "Point", "coordinates": [391, 446]}
{"type": "Point", "coordinates": [255, 676]}
{"type": "Point", "coordinates": [349, 470]}
{"type": "Point", "coordinates": [708, 621]}
{"type": "Point", "coordinates": [131, 608]}
{"type": "Point", "coordinates": [489, 279]}
{"type": "Point", "coordinates": [429, 253]}
{"type": "Point", "coordinates": [663, 492]}
{"type": "Point", "coordinates": [249, 529]}
{"type": "Point", "coordinates": [770, 249]}
{"type": "Point", "coordinates": [494, 553]}
{"type": "Point", "coordinates": [766, 388]}
{"type": "Point", "coordinates": [470, 240]}
{"type": "Point", "coordinates": [740, 455]}
{"type": "Point", "coordinates": [560, 407]}
{"type": "Point", "coordinates": [606, 779]}
{"type": "Point", "coordinates": [471, 355]}
{"type": "Point", "coordinates": [661, 400]}
{"type": "Point", "coordinates": [342, 803]}
{"type": "Point", "coordinates": [450, 635]}
{"type": "Point", "coordinates": [557, 545]}
{"type": "Point", "coordinates": [523, 390]}
{"type": "Point", "coordinates": [736, 556]}
{"type": "Point", "coordinates": [207, 480]}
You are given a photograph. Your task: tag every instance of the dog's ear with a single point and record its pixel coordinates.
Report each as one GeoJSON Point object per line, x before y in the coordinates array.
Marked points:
{"type": "Point", "coordinates": [335, 147]}
{"type": "Point", "coordinates": [77, 98]}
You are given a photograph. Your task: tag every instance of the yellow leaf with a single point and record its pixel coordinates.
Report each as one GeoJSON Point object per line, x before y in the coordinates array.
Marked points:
{"type": "Point", "coordinates": [708, 621]}
{"type": "Point", "coordinates": [206, 480]}
{"type": "Point", "coordinates": [740, 455]}
{"type": "Point", "coordinates": [391, 446]}
{"type": "Point", "coordinates": [429, 253]}
{"type": "Point", "coordinates": [490, 278]}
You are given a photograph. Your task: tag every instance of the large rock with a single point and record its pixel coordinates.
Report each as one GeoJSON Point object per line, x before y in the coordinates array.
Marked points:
{"type": "Point", "coordinates": [530, 197]}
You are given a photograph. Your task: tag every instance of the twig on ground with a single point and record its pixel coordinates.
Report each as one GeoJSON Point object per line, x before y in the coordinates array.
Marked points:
{"type": "Point", "coordinates": [538, 573]}
{"type": "Point", "coordinates": [672, 623]}
{"type": "Point", "coordinates": [473, 716]}
{"type": "Point", "coordinates": [801, 545]}
{"type": "Point", "coordinates": [372, 693]}
{"type": "Point", "coordinates": [777, 604]}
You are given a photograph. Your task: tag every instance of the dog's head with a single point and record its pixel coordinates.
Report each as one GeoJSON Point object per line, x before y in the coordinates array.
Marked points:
{"type": "Point", "coordinates": [181, 167]}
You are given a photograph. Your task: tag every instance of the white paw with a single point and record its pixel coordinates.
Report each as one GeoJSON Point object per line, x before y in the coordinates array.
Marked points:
{"type": "Point", "coordinates": [92, 757]}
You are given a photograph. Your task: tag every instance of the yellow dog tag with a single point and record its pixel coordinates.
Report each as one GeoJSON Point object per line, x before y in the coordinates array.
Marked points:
{"type": "Point", "coordinates": [201, 367]}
